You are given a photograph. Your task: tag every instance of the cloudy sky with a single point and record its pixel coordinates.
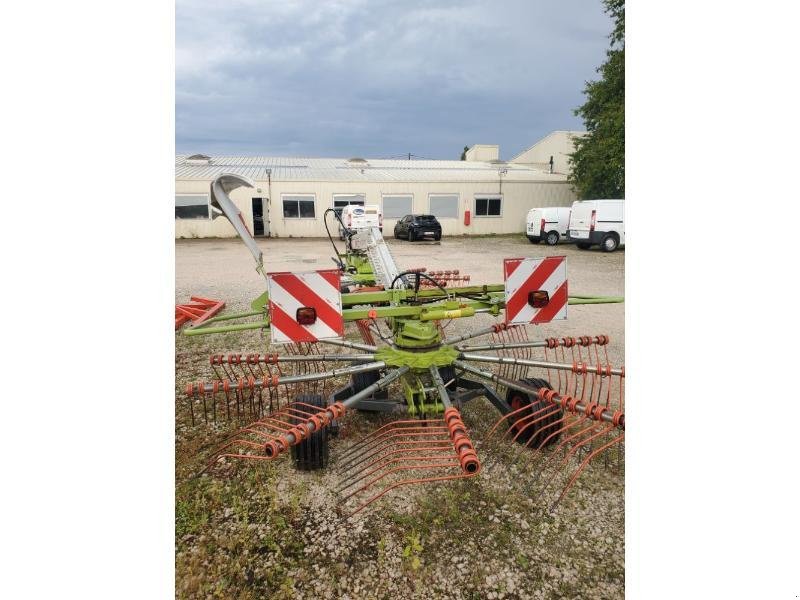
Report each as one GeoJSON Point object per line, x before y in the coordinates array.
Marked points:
{"type": "Point", "coordinates": [379, 78]}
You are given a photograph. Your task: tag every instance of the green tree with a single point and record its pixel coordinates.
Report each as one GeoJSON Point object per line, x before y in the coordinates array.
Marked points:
{"type": "Point", "coordinates": [598, 163]}
{"type": "Point", "coordinates": [464, 153]}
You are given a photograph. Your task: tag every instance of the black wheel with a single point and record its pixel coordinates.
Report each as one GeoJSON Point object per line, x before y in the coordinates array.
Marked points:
{"type": "Point", "coordinates": [412, 236]}
{"type": "Point", "coordinates": [552, 238]}
{"type": "Point", "coordinates": [361, 381]}
{"type": "Point", "coordinates": [583, 246]}
{"type": "Point", "coordinates": [533, 239]}
{"type": "Point", "coordinates": [538, 432]}
{"type": "Point", "coordinates": [437, 236]}
{"type": "Point", "coordinates": [311, 454]}
{"type": "Point", "coordinates": [448, 375]}
{"type": "Point", "coordinates": [610, 243]}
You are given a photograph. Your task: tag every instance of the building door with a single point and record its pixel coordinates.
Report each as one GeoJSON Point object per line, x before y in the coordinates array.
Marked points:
{"type": "Point", "coordinates": [260, 217]}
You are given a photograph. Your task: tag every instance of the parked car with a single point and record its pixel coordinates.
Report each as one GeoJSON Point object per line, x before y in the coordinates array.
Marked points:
{"type": "Point", "coordinates": [549, 224]}
{"type": "Point", "coordinates": [355, 217]}
{"type": "Point", "coordinates": [595, 222]}
{"type": "Point", "coordinates": [415, 227]}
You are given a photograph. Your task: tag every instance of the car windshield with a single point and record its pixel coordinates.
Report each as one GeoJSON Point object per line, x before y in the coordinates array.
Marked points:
{"type": "Point", "coordinates": [426, 218]}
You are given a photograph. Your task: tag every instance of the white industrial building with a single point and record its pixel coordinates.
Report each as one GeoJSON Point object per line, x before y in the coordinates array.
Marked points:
{"type": "Point", "coordinates": [480, 195]}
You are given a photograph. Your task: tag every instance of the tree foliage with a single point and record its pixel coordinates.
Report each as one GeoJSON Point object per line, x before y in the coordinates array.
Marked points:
{"type": "Point", "coordinates": [598, 163]}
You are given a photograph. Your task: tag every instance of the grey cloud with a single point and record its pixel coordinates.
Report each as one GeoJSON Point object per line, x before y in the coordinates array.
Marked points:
{"type": "Point", "coordinates": [380, 78]}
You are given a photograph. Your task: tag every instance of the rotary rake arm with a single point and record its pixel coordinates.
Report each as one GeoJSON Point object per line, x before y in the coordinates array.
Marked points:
{"type": "Point", "coordinates": [267, 438]}
{"type": "Point", "coordinates": [407, 452]}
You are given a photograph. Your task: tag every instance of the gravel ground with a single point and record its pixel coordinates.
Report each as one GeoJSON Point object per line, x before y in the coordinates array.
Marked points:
{"type": "Point", "coordinates": [267, 530]}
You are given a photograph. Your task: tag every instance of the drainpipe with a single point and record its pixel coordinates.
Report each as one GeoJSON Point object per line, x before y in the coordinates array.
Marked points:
{"type": "Point", "coordinates": [269, 200]}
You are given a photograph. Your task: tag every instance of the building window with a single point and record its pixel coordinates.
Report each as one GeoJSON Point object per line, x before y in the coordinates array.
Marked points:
{"type": "Point", "coordinates": [298, 206]}
{"type": "Point", "coordinates": [341, 200]}
{"type": "Point", "coordinates": [443, 206]}
{"type": "Point", "coordinates": [192, 207]}
{"type": "Point", "coordinates": [397, 206]}
{"type": "Point", "coordinates": [488, 206]}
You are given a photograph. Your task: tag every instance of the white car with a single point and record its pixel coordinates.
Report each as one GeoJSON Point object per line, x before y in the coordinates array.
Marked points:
{"type": "Point", "coordinates": [549, 224]}
{"type": "Point", "coordinates": [355, 217]}
{"type": "Point", "coordinates": [597, 222]}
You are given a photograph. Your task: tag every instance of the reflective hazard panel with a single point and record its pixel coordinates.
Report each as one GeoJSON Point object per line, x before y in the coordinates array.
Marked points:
{"type": "Point", "coordinates": [536, 289]}
{"type": "Point", "coordinates": [305, 307]}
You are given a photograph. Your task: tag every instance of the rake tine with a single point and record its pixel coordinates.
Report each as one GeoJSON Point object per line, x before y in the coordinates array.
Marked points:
{"type": "Point", "coordinates": [563, 444]}
{"type": "Point", "coordinates": [385, 446]}
{"type": "Point", "coordinates": [571, 452]}
{"type": "Point", "coordinates": [385, 438]}
{"type": "Point", "coordinates": [517, 422]}
{"type": "Point", "coordinates": [412, 423]}
{"type": "Point", "coordinates": [408, 482]}
{"type": "Point", "coordinates": [580, 468]}
{"type": "Point", "coordinates": [404, 468]}
{"type": "Point", "coordinates": [384, 461]}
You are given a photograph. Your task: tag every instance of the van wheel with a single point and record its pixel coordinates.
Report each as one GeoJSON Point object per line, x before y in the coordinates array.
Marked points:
{"type": "Point", "coordinates": [552, 238]}
{"type": "Point", "coordinates": [610, 243]}
{"type": "Point", "coordinates": [534, 240]}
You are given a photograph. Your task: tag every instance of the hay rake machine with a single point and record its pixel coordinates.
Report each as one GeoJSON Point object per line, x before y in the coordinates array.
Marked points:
{"type": "Point", "coordinates": [407, 364]}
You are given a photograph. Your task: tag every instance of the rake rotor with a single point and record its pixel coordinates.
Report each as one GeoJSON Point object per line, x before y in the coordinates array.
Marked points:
{"type": "Point", "coordinates": [573, 416]}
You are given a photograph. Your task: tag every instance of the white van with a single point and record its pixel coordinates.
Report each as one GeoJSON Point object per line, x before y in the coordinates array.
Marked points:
{"type": "Point", "coordinates": [597, 222]}
{"type": "Point", "coordinates": [549, 224]}
{"type": "Point", "coordinates": [357, 217]}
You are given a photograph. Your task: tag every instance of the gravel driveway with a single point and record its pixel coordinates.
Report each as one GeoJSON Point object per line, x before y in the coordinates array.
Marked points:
{"type": "Point", "coordinates": [268, 530]}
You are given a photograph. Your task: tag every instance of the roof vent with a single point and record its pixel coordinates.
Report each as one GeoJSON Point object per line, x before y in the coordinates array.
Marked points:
{"type": "Point", "coordinates": [358, 163]}
{"type": "Point", "coordinates": [198, 159]}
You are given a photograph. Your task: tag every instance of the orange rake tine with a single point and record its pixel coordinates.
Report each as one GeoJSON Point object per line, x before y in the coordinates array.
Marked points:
{"type": "Point", "coordinates": [351, 464]}
{"type": "Point", "coordinates": [389, 430]}
{"type": "Point", "coordinates": [410, 482]}
{"type": "Point", "coordinates": [397, 448]}
{"type": "Point", "coordinates": [571, 452]}
{"type": "Point", "coordinates": [585, 462]}
{"type": "Point", "coordinates": [366, 471]}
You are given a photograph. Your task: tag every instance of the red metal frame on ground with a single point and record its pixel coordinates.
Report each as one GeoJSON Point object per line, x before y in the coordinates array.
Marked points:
{"type": "Point", "coordinates": [198, 311]}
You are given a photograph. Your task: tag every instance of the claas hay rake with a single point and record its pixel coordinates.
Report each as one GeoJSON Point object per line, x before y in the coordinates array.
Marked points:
{"type": "Point", "coordinates": [406, 364]}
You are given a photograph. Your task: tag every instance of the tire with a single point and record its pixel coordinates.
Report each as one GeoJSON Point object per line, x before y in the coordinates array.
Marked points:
{"type": "Point", "coordinates": [437, 236]}
{"type": "Point", "coordinates": [311, 454]}
{"type": "Point", "coordinates": [412, 237]}
{"type": "Point", "coordinates": [583, 246]}
{"type": "Point", "coordinates": [361, 381]}
{"type": "Point", "coordinates": [448, 373]}
{"type": "Point", "coordinates": [552, 238]}
{"type": "Point", "coordinates": [535, 434]}
{"type": "Point", "coordinates": [534, 240]}
{"type": "Point", "coordinates": [610, 243]}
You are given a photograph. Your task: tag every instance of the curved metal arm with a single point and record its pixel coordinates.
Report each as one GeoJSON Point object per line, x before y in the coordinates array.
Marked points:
{"type": "Point", "coordinates": [221, 204]}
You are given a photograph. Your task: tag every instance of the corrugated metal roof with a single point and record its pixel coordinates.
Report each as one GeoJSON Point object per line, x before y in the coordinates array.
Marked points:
{"type": "Point", "coordinates": [340, 169]}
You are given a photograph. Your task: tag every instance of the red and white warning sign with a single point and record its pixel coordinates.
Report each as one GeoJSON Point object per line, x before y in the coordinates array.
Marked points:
{"type": "Point", "coordinates": [305, 307]}
{"type": "Point", "coordinates": [536, 289]}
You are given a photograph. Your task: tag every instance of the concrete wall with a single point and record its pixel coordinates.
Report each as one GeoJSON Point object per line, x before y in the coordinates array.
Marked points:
{"type": "Point", "coordinates": [518, 198]}
{"type": "Point", "coordinates": [558, 144]}
{"type": "Point", "coordinates": [483, 153]}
